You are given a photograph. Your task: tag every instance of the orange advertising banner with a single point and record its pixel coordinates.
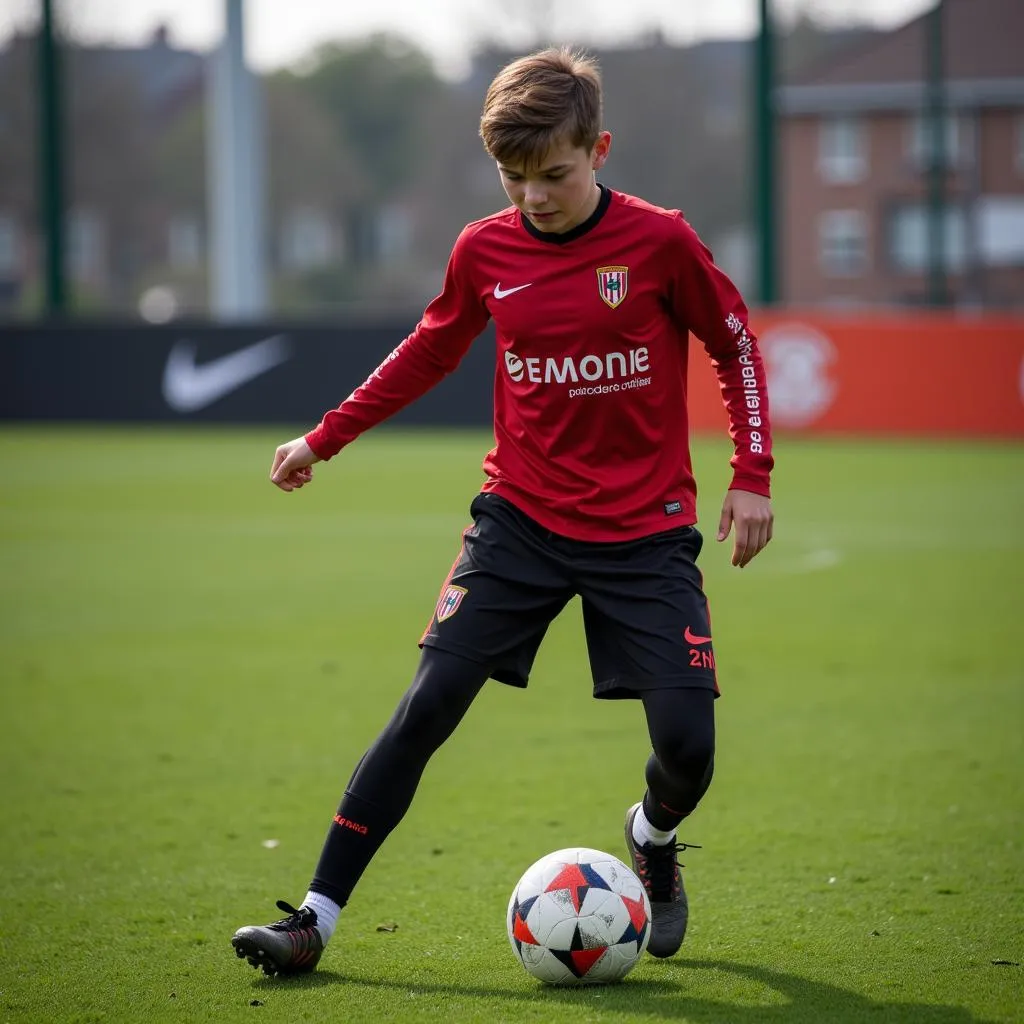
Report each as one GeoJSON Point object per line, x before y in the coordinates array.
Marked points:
{"type": "Point", "coordinates": [869, 374]}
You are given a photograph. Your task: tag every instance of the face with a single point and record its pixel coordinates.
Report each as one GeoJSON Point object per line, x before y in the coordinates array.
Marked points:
{"type": "Point", "coordinates": [561, 191]}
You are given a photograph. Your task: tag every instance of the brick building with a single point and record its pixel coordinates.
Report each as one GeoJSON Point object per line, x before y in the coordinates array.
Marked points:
{"type": "Point", "coordinates": [854, 154]}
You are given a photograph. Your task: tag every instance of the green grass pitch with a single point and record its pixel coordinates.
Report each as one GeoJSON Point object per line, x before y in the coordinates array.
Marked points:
{"type": "Point", "coordinates": [193, 662]}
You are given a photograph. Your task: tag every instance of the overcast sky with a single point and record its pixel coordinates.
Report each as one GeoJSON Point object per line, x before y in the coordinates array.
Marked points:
{"type": "Point", "coordinates": [280, 32]}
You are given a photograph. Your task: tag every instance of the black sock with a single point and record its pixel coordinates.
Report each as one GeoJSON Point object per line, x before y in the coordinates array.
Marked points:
{"type": "Point", "coordinates": [681, 723]}
{"type": "Point", "coordinates": [385, 780]}
{"type": "Point", "coordinates": [354, 837]}
{"type": "Point", "coordinates": [668, 816]}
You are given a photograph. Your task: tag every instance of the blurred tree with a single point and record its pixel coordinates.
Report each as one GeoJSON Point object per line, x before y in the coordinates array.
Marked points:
{"type": "Point", "coordinates": [308, 170]}
{"type": "Point", "coordinates": [113, 202]}
{"type": "Point", "coordinates": [375, 91]}
{"type": "Point", "coordinates": [308, 161]}
{"type": "Point", "coordinates": [112, 171]}
{"type": "Point", "coordinates": [180, 161]}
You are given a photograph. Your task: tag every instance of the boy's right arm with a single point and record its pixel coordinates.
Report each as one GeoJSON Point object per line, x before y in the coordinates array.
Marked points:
{"type": "Point", "coordinates": [444, 333]}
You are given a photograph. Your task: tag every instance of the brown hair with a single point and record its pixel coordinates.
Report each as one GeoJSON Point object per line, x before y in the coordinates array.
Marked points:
{"type": "Point", "coordinates": [538, 100]}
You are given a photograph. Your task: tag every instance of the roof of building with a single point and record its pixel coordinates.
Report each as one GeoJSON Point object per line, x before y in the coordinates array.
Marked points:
{"type": "Point", "coordinates": [982, 63]}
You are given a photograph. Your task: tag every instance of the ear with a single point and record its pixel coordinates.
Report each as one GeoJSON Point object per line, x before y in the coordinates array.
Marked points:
{"type": "Point", "coordinates": [600, 151]}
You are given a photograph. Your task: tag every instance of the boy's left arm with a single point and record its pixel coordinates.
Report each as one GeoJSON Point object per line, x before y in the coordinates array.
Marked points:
{"type": "Point", "coordinates": [712, 308]}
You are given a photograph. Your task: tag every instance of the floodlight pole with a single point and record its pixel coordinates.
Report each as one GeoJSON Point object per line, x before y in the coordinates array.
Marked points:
{"type": "Point", "coordinates": [764, 161]}
{"type": "Point", "coordinates": [235, 178]}
{"type": "Point", "coordinates": [51, 164]}
{"type": "Point", "coordinates": [935, 155]}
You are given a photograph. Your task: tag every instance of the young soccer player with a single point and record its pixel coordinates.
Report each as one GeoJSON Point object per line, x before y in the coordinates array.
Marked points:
{"type": "Point", "coordinates": [589, 488]}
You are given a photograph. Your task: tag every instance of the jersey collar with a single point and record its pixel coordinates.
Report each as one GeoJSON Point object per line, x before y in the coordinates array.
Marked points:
{"type": "Point", "coordinates": [589, 224]}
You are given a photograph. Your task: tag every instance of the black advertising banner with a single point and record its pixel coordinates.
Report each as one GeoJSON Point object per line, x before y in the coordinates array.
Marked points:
{"type": "Point", "coordinates": [219, 374]}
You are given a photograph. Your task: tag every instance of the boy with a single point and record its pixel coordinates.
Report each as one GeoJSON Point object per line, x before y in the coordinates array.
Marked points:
{"type": "Point", "coordinates": [589, 488]}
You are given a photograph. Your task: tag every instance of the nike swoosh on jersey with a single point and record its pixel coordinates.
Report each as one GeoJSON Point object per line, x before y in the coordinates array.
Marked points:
{"type": "Point", "coordinates": [691, 638]}
{"type": "Point", "coordinates": [500, 293]}
{"type": "Point", "coordinates": [188, 387]}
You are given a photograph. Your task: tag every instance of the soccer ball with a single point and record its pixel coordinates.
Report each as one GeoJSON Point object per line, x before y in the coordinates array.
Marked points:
{"type": "Point", "coordinates": [579, 917]}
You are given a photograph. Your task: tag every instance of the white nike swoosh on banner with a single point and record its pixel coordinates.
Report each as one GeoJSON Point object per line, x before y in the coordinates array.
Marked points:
{"type": "Point", "coordinates": [500, 293]}
{"type": "Point", "coordinates": [188, 387]}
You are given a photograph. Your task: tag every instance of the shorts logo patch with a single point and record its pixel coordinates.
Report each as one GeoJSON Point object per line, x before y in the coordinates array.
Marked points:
{"type": "Point", "coordinates": [449, 602]}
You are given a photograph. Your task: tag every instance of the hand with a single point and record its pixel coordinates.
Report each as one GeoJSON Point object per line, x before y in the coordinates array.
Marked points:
{"type": "Point", "coordinates": [752, 516]}
{"type": "Point", "coordinates": [292, 465]}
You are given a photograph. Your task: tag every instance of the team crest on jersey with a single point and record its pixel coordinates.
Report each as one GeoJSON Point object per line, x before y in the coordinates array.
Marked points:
{"type": "Point", "coordinates": [612, 283]}
{"type": "Point", "coordinates": [449, 602]}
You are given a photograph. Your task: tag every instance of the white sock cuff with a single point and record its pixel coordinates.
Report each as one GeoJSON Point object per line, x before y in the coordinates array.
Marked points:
{"type": "Point", "coordinates": [327, 912]}
{"type": "Point", "coordinates": [645, 832]}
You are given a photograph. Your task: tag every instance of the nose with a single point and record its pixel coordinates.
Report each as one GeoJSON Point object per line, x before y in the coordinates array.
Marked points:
{"type": "Point", "coordinates": [535, 195]}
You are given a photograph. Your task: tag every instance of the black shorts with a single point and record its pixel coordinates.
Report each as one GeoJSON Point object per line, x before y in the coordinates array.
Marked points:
{"type": "Point", "coordinates": [644, 610]}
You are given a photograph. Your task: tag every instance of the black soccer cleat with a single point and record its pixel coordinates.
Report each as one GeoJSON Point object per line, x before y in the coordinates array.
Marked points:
{"type": "Point", "coordinates": [289, 946]}
{"type": "Point", "coordinates": [658, 870]}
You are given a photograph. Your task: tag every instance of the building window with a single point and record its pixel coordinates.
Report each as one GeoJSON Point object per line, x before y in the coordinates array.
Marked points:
{"type": "Point", "coordinates": [954, 142]}
{"type": "Point", "coordinates": [394, 233]}
{"type": "Point", "coordinates": [909, 238]}
{"type": "Point", "coordinates": [307, 241]}
{"type": "Point", "coordinates": [1000, 230]}
{"type": "Point", "coordinates": [842, 150]}
{"type": "Point", "coordinates": [8, 246]}
{"type": "Point", "coordinates": [184, 242]}
{"type": "Point", "coordinates": [842, 243]}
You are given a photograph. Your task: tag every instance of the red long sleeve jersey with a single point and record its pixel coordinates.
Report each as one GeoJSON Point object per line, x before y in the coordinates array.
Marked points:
{"type": "Point", "coordinates": [592, 332]}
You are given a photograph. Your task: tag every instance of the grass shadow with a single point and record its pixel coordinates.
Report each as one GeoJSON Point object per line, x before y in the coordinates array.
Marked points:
{"type": "Point", "coordinates": [803, 1000]}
